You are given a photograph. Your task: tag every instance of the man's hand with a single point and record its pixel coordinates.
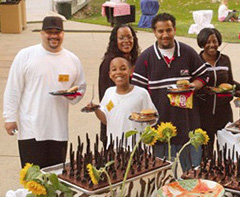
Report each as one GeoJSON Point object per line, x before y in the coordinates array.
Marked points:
{"type": "Point", "coordinates": [10, 126]}
{"type": "Point", "coordinates": [197, 84]}
{"type": "Point", "coordinates": [70, 97]}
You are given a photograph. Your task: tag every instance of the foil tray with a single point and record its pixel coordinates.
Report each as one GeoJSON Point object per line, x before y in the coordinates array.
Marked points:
{"type": "Point", "coordinates": [57, 169]}
{"type": "Point", "coordinates": [226, 189]}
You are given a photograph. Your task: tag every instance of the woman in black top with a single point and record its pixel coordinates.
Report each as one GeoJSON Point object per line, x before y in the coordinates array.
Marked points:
{"type": "Point", "coordinates": [123, 42]}
{"type": "Point", "coordinates": [215, 109]}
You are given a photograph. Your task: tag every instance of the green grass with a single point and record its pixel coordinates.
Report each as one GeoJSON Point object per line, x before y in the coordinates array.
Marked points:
{"type": "Point", "coordinates": [181, 9]}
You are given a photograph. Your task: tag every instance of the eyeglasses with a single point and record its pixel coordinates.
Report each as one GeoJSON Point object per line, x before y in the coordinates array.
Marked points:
{"type": "Point", "coordinates": [121, 38]}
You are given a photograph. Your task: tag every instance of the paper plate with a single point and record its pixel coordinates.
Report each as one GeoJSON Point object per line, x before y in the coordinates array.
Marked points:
{"type": "Point", "coordinates": [191, 188]}
{"type": "Point", "coordinates": [176, 90]}
{"type": "Point", "coordinates": [65, 93]}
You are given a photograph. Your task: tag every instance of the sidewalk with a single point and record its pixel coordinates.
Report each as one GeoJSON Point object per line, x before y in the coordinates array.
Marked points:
{"type": "Point", "coordinates": [90, 48]}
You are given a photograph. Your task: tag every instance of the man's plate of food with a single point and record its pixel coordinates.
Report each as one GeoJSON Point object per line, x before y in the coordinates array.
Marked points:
{"type": "Point", "coordinates": [181, 86]}
{"type": "Point", "coordinates": [146, 115]}
{"type": "Point", "coordinates": [192, 187]}
{"type": "Point", "coordinates": [73, 91]}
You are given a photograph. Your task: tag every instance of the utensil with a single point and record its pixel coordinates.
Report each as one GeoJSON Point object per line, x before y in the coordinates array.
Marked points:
{"type": "Point", "coordinates": [92, 94]}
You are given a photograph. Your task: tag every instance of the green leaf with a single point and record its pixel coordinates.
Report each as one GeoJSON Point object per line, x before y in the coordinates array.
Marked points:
{"type": "Point", "coordinates": [130, 133]}
{"type": "Point", "coordinates": [62, 187]}
{"type": "Point", "coordinates": [32, 173]}
{"type": "Point", "coordinates": [51, 191]}
{"type": "Point", "coordinates": [30, 195]}
{"type": "Point", "coordinates": [69, 194]}
{"type": "Point", "coordinates": [109, 163]}
{"type": "Point", "coordinates": [54, 179]}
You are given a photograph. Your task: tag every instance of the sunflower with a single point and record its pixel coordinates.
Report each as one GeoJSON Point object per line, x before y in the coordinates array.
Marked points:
{"type": "Point", "coordinates": [93, 173]}
{"type": "Point", "coordinates": [36, 188]}
{"type": "Point", "coordinates": [23, 173]}
{"type": "Point", "coordinates": [166, 131]}
{"type": "Point", "coordinates": [204, 134]}
{"type": "Point", "coordinates": [150, 136]}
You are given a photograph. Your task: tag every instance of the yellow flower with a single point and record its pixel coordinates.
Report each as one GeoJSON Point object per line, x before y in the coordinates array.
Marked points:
{"type": "Point", "coordinates": [36, 188]}
{"type": "Point", "coordinates": [150, 136]}
{"type": "Point", "coordinates": [204, 134]}
{"type": "Point", "coordinates": [23, 173]}
{"type": "Point", "coordinates": [166, 131]}
{"type": "Point", "coordinates": [93, 173]}
{"type": "Point", "coordinates": [198, 137]}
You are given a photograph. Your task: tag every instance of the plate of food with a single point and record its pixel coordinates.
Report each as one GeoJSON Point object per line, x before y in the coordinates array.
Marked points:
{"type": "Point", "coordinates": [90, 108]}
{"type": "Point", "coordinates": [223, 88]}
{"type": "Point", "coordinates": [146, 115]}
{"type": "Point", "coordinates": [182, 86]}
{"type": "Point", "coordinates": [73, 91]}
{"type": "Point", "coordinates": [192, 187]}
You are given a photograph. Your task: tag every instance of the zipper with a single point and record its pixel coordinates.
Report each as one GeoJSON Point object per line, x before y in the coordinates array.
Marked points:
{"type": "Point", "coordinates": [215, 84]}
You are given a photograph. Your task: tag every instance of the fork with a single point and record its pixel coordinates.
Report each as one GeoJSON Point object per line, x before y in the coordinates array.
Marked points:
{"type": "Point", "coordinates": [92, 95]}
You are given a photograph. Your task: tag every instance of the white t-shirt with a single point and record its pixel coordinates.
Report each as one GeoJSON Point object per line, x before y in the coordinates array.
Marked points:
{"type": "Point", "coordinates": [118, 108]}
{"type": "Point", "coordinates": [34, 73]}
{"type": "Point", "coordinates": [222, 12]}
{"type": "Point", "coordinates": [167, 52]}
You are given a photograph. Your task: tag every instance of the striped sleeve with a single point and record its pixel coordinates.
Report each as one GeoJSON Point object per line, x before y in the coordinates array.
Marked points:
{"type": "Point", "coordinates": [140, 75]}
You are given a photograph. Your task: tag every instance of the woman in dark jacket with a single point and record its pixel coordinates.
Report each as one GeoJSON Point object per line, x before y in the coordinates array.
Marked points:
{"type": "Point", "coordinates": [215, 109]}
{"type": "Point", "coordinates": [123, 42]}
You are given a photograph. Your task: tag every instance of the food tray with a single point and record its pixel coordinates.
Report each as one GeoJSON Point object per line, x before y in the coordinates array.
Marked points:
{"type": "Point", "coordinates": [225, 188]}
{"type": "Point", "coordinates": [57, 169]}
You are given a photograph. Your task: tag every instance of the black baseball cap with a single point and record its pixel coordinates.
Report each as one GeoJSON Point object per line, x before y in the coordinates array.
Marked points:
{"type": "Point", "coordinates": [52, 22]}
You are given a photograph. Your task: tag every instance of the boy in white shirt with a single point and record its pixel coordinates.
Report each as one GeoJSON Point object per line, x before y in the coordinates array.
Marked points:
{"type": "Point", "coordinates": [121, 100]}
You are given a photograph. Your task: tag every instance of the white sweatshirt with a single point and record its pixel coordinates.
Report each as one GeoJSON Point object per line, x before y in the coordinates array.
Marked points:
{"type": "Point", "coordinates": [34, 73]}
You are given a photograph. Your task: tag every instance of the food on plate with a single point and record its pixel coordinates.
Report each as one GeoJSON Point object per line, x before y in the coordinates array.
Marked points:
{"type": "Point", "coordinates": [148, 113]}
{"type": "Point", "coordinates": [72, 89]}
{"type": "Point", "coordinates": [183, 84]}
{"type": "Point", "coordinates": [135, 116]}
{"type": "Point", "coordinates": [216, 89]}
{"type": "Point", "coordinates": [144, 115]}
{"type": "Point", "coordinates": [225, 86]}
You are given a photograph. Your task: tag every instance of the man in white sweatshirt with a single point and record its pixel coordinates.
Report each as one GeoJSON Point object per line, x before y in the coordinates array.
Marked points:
{"type": "Point", "coordinates": [41, 118]}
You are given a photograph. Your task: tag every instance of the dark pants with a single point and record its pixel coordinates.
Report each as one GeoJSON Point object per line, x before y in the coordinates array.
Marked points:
{"type": "Point", "coordinates": [231, 15]}
{"type": "Point", "coordinates": [42, 153]}
{"type": "Point", "coordinates": [188, 158]}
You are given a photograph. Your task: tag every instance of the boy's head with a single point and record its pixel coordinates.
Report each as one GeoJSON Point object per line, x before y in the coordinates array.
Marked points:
{"type": "Point", "coordinates": [120, 70]}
